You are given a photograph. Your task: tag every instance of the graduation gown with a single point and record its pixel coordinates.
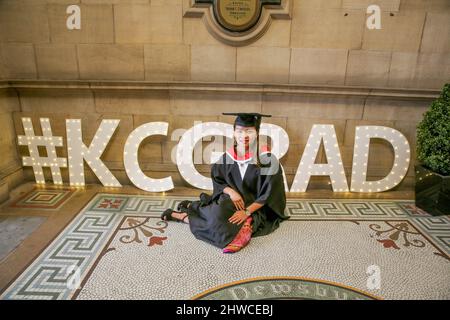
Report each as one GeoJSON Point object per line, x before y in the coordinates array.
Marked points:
{"type": "Point", "coordinates": [208, 217]}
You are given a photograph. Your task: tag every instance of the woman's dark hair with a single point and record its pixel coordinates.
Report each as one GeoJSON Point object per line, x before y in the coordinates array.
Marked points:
{"type": "Point", "coordinates": [258, 163]}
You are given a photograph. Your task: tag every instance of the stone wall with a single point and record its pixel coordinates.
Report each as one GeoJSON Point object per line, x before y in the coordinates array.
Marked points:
{"type": "Point", "coordinates": [141, 61]}
{"type": "Point", "coordinates": [325, 42]}
{"type": "Point", "coordinates": [11, 173]}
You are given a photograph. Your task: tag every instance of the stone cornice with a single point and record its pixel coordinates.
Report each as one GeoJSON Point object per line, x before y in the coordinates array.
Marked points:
{"type": "Point", "coordinates": [233, 88]}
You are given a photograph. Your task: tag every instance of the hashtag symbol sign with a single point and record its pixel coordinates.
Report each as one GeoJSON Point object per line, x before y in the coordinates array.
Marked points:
{"type": "Point", "coordinates": [50, 143]}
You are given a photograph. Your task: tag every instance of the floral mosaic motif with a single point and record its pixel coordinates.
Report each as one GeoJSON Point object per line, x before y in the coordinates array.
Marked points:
{"type": "Point", "coordinates": [397, 234]}
{"type": "Point", "coordinates": [110, 204]}
{"type": "Point", "coordinates": [140, 228]}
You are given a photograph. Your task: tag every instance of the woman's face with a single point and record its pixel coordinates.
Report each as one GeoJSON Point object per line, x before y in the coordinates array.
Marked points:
{"type": "Point", "coordinates": [245, 136]}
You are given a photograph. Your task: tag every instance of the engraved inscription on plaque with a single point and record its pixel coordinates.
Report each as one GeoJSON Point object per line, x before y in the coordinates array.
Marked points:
{"type": "Point", "coordinates": [239, 22]}
{"type": "Point", "coordinates": [238, 15]}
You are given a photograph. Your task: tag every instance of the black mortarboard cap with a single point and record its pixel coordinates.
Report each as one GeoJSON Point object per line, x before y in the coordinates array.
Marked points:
{"type": "Point", "coordinates": [247, 119]}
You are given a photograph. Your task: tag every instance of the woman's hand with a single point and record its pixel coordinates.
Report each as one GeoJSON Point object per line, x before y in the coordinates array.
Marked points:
{"type": "Point", "coordinates": [238, 217]}
{"type": "Point", "coordinates": [236, 198]}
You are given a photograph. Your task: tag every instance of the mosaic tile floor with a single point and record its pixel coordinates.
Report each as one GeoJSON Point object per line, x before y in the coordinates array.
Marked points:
{"type": "Point", "coordinates": [117, 248]}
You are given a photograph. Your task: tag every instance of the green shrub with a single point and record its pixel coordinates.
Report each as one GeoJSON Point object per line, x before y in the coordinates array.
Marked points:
{"type": "Point", "coordinates": [433, 135]}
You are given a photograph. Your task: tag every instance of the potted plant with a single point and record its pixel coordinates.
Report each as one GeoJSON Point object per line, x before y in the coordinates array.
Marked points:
{"type": "Point", "coordinates": [433, 152]}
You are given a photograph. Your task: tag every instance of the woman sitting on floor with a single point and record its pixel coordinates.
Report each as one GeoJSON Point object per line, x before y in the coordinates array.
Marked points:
{"type": "Point", "coordinates": [248, 193]}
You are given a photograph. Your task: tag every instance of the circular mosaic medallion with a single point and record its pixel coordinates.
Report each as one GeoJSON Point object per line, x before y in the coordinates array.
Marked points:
{"type": "Point", "coordinates": [286, 288]}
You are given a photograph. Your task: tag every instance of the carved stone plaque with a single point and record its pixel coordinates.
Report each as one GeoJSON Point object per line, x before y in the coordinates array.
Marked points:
{"type": "Point", "coordinates": [239, 22]}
